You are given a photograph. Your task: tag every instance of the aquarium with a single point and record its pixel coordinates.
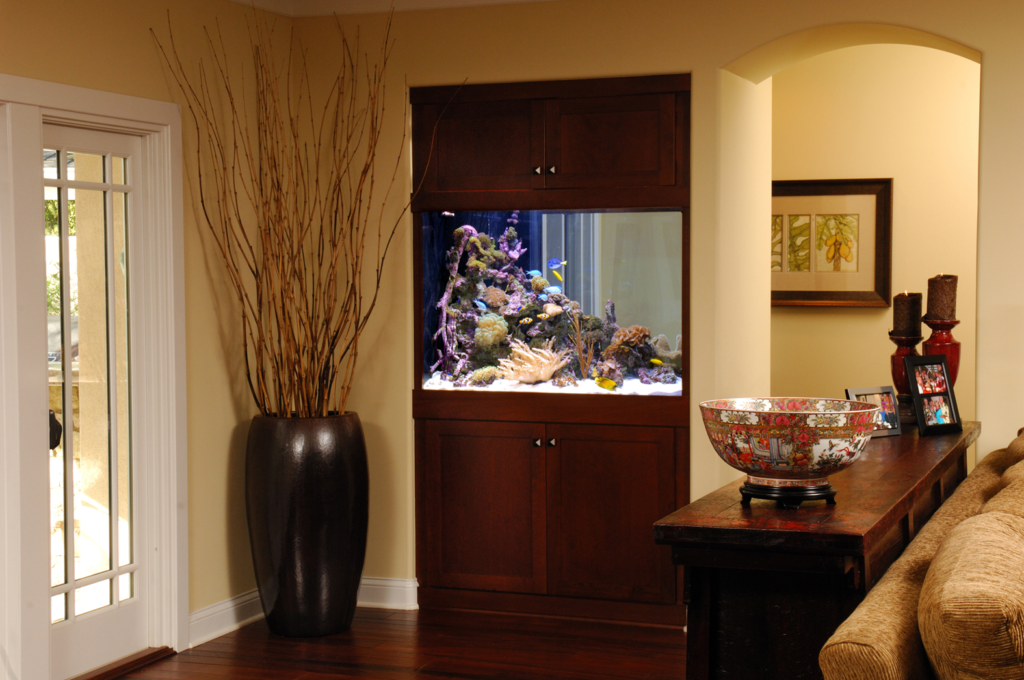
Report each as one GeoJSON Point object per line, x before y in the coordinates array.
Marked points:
{"type": "Point", "coordinates": [550, 301]}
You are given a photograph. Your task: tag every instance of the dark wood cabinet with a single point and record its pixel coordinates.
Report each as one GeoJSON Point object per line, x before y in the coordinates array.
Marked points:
{"type": "Point", "coordinates": [582, 146]}
{"type": "Point", "coordinates": [549, 509]}
{"type": "Point", "coordinates": [543, 503]}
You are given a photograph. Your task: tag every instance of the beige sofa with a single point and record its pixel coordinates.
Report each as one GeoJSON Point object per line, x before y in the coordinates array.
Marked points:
{"type": "Point", "coordinates": [952, 606]}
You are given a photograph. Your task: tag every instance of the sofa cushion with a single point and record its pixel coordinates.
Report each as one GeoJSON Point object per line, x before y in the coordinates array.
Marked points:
{"type": "Point", "coordinates": [1010, 498]}
{"type": "Point", "coordinates": [971, 610]}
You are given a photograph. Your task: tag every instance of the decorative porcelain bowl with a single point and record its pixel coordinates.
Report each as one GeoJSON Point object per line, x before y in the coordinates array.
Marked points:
{"type": "Point", "coordinates": [788, 446]}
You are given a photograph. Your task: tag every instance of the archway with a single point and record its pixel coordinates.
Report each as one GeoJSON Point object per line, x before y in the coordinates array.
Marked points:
{"type": "Point", "coordinates": [826, 44]}
{"type": "Point", "coordinates": [768, 59]}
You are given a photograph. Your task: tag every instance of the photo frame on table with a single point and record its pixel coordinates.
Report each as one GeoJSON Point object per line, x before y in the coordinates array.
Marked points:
{"type": "Point", "coordinates": [832, 243]}
{"type": "Point", "coordinates": [885, 399]}
{"type": "Point", "coordinates": [934, 401]}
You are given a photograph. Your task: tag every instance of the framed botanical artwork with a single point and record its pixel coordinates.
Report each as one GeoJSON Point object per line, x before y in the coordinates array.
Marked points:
{"type": "Point", "coordinates": [885, 399]}
{"type": "Point", "coordinates": [932, 390]}
{"type": "Point", "coordinates": [832, 242]}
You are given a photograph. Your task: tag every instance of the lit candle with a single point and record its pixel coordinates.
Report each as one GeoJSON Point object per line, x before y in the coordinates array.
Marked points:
{"type": "Point", "coordinates": [942, 297]}
{"type": "Point", "coordinates": [906, 315]}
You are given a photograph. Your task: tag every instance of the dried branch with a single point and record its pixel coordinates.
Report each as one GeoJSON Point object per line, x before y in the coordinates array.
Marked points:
{"type": "Point", "coordinates": [288, 195]}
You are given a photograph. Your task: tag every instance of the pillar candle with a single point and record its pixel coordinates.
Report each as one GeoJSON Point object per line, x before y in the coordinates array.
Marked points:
{"type": "Point", "coordinates": [906, 315]}
{"type": "Point", "coordinates": [942, 297]}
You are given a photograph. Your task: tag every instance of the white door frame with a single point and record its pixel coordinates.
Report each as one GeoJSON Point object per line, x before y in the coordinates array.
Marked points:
{"type": "Point", "coordinates": [158, 292]}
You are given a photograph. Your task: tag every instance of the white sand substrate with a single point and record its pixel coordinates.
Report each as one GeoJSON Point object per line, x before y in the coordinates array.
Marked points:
{"type": "Point", "coordinates": [630, 386]}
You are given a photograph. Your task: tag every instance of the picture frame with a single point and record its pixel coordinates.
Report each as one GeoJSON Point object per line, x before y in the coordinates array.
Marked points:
{"type": "Point", "coordinates": [832, 243]}
{"type": "Point", "coordinates": [885, 399]}
{"type": "Point", "coordinates": [932, 390]}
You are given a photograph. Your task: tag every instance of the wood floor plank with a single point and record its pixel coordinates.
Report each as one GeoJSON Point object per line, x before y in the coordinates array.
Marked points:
{"type": "Point", "coordinates": [437, 645]}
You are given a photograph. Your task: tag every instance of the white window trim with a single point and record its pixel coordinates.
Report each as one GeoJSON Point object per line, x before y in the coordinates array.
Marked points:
{"type": "Point", "coordinates": [158, 286]}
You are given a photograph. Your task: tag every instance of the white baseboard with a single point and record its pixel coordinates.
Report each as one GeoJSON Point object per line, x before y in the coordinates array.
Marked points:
{"type": "Point", "coordinates": [388, 593]}
{"type": "Point", "coordinates": [222, 618]}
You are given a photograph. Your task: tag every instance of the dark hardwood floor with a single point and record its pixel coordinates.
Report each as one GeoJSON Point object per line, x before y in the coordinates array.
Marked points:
{"type": "Point", "coordinates": [398, 645]}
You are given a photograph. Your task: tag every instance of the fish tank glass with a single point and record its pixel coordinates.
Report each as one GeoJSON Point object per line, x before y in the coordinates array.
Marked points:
{"type": "Point", "coordinates": [550, 301]}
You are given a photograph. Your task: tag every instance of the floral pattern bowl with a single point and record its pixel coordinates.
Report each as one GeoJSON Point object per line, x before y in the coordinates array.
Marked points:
{"type": "Point", "coordinates": [789, 441]}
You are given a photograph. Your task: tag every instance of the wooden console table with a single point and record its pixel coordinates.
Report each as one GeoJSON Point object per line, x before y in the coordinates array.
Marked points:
{"type": "Point", "coordinates": [766, 587]}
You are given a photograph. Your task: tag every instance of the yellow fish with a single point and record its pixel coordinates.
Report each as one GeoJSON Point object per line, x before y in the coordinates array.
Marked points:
{"type": "Point", "coordinates": [558, 275]}
{"type": "Point", "coordinates": [657, 362]}
{"type": "Point", "coordinates": [606, 383]}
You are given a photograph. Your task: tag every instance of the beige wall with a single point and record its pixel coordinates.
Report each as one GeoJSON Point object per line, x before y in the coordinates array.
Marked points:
{"type": "Point", "coordinates": [909, 113]}
{"type": "Point", "coordinates": [731, 168]}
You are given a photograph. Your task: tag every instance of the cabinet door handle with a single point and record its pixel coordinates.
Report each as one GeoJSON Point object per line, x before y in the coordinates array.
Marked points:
{"type": "Point", "coordinates": [552, 442]}
{"type": "Point", "coordinates": [538, 170]}
{"type": "Point", "coordinates": [552, 170]}
{"type": "Point", "coordinates": [537, 443]}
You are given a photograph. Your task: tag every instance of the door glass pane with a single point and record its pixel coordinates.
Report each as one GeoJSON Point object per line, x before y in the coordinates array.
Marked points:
{"type": "Point", "coordinates": [91, 445]}
{"type": "Point", "coordinates": [126, 584]}
{"type": "Point", "coordinates": [92, 597]}
{"type": "Point", "coordinates": [55, 368]}
{"type": "Point", "coordinates": [58, 608]}
{"type": "Point", "coordinates": [119, 219]}
{"type": "Point", "coordinates": [119, 170]}
{"type": "Point", "coordinates": [50, 165]}
{"type": "Point", "coordinates": [85, 167]}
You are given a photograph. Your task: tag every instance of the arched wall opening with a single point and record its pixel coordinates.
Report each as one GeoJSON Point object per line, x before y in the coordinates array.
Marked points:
{"type": "Point", "coordinates": [867, 100]}
{"type": "Point", "coordinates": [904, 112]}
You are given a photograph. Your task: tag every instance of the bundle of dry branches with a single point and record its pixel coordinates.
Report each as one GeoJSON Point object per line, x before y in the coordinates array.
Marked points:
{"type": "Point", "coordinates": [288, 195]}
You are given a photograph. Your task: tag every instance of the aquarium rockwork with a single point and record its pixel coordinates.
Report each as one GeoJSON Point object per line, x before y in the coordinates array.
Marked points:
{"type": "Point", "coordinates": [545, 301]}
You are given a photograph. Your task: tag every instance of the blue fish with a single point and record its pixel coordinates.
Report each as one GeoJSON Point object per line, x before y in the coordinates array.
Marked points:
{"type": "Point", "coordinates": [556, 263]}
{"type": "Point", "coordinates": [533, 273]}
{"type": "Point", "coordinates": [542, 297]}
{"type": "Point", "coordinates": [481, 305]}
{"type": "Point", "coordinates": [552, 290]}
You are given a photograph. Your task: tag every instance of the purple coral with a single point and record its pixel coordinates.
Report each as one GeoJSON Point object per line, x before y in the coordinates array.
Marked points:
{"type": "Point", "coordinates": [659, 374]}
{"type": "Point", "coordinates": [483, 260]}
{"type": "Point", "coordinates": [446, 326]}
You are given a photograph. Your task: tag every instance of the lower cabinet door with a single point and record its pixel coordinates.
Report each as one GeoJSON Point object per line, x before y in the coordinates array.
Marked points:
{"type": "Point", "coordinates": [607, 485]}
{"type": "Point", "coordinates": [484, 488]}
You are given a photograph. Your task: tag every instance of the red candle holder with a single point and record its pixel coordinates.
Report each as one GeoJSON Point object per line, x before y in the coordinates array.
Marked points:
{"type": "Point", "coordinates": [906, 346]}
{"type": "Point", "coordinates": [942, 342]}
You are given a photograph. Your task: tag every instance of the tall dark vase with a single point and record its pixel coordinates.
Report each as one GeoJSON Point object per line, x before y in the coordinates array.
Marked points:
{"type": "Point", "coordinates": [307, 500]}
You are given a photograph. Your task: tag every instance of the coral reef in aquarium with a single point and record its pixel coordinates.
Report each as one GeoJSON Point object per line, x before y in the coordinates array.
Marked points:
{"type": "Point", "coordinates": [532, 364]}
{"type": "Point", "coordinates": [500, 322]}
{"type": "Point", "coordinates": [666, 354]}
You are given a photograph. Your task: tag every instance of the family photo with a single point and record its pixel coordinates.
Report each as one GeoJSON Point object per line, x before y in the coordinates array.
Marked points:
{"type": "Point", "coordinates": [936, 411]}
{"type": "Point", "coordinates": [930, 379]}
{"type": "Point", "coordinates": [886, 406]}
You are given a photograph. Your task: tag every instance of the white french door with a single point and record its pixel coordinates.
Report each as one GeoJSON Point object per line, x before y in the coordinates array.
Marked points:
{"type": "Point", "coordinates": [93, 524]}
{"type": "Point", "coordinates": [93, 185]}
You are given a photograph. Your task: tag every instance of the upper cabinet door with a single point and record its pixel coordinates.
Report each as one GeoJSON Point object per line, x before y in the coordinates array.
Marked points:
{"type": "Point", "coordinates": [623, 141]}
{"type": "Point", "coordinates": [477, 146]}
